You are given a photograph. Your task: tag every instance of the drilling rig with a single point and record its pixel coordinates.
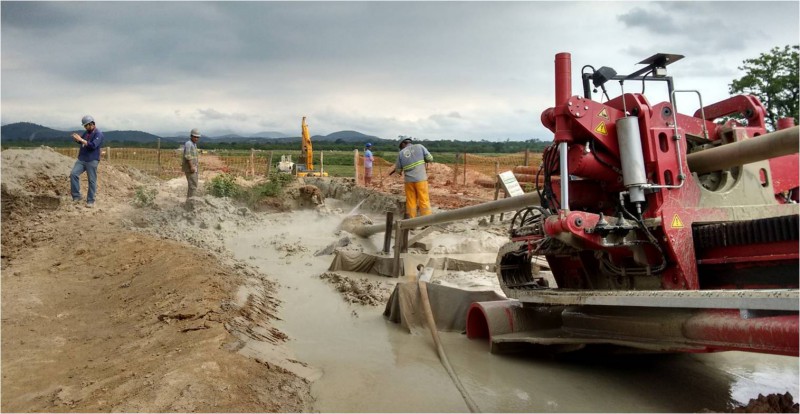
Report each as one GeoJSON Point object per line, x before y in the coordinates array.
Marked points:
{"type": "Point", "coordinates": [664, 231]}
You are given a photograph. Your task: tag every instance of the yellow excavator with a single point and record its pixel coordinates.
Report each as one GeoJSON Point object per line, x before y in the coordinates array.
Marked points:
{"type": "Point", "coordinates": [305, 166]}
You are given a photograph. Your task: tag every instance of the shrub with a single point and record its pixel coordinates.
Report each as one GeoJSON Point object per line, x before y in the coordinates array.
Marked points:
{"type": "Point", "coordinates": [272, 188]}
{"type": "Point", "coordinates": [223, 185]}
{"type": "Point", "coordinates": [145, 197]}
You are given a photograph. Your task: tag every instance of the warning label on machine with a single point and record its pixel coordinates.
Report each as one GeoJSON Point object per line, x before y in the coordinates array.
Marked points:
{"type": "Point", "coordinates": [601, 128]}
{"type": "Point", "coordinates": [676, 222]}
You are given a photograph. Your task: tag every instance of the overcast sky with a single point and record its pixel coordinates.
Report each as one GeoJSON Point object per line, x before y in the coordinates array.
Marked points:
{"type": "Point", "coordinates": [446, 70]}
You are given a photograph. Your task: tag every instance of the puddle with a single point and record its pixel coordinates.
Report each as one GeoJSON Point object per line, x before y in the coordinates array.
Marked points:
{"type": "Point", "coordinates": [369, 364]}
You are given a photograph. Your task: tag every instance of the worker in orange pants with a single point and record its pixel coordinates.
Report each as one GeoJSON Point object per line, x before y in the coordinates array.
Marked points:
{"type": "Point", "coordinates": [412, 162]}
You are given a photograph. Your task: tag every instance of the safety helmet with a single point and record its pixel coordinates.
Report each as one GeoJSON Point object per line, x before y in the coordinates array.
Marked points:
{"type": "Point", "coordinates": [195, 132]}
{"type": "Point", "coordinates": [404, 141]}
{"type": "Point", "coordinates": [369, 144]}
{"type": "Point", "coordinates": [87, 120]}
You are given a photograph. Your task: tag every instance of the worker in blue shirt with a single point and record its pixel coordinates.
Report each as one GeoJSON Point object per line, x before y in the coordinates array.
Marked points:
{"type": "Point", "coordinates": [368, 159]}
{"type": "Point", "coordinates": [88, 158]}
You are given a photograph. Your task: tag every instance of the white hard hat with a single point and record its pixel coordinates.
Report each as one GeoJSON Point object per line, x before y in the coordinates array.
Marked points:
{"type": "Point", "coordinates": [195, 132]}
{"type": "Point", "coordinates": [87, 120]}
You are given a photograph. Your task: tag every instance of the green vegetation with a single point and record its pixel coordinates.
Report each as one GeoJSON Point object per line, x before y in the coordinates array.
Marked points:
{"type": "Point", "coordinates": [145, 197]}
{"type": "Point", "coordinates": [272, 188]}
{"type": "Point", "coordinates": [772, 77]}
{"type": "Point", "coordinates": [223, 185]}
{"type": "Point", "coordinates": [340, 170]}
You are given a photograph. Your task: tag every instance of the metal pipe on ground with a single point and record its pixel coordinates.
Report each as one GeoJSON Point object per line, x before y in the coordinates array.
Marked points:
{"type": "Point", "coordinates": [771, 145]}
{"type": "Point", "coordinates": [357, 225]}
{"type": "Point", "coordinates": [464, 213]}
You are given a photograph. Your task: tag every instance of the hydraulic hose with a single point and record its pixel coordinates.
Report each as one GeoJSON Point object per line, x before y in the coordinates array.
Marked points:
{"type": "Point", "coordinates": [426, 305]}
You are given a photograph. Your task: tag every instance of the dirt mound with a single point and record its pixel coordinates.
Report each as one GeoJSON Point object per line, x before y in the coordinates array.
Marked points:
{"type": "Point", "coordinates": [772, 403]}
{"type": "Point", "coordinates": [107, 320]}
{"type": "Point", "coordinates": [44, 172]}
{"type": "Point", "coordinates": [99, 318]}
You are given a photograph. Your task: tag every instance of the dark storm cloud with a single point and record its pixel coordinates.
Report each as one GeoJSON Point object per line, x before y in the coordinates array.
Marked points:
{"type": "Point", "coordinates": [701, 27]}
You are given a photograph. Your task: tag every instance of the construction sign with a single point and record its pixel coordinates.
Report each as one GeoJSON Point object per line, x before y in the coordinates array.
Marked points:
{"type": "Point", "coordinates": [601, 129]}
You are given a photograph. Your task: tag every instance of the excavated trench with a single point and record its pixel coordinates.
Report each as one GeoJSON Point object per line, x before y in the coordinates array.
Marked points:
{"type": "Point", "coordinates": [360, 361]}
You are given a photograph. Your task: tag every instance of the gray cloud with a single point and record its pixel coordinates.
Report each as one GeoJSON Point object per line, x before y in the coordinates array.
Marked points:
{"type": "Point", "coordinates": [440, 69]}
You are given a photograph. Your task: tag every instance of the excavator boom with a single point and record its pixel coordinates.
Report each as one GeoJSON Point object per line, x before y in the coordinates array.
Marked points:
{"type": "Point", "coordinates": [307, 151]}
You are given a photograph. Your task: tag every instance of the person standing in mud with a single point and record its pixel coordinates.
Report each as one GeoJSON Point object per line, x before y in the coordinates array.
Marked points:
{"type": "Point", "coordinates": [190, 164]}
{"type": "Point", "coordinates": [367, 164]}
{"type": "Point", "coordinates": [88, 159]}
{"type": "Point", "coordinates": [412, 161]}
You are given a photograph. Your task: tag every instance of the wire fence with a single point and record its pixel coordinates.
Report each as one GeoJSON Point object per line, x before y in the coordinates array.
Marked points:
{"type": "Point", "coordinates": [466, 169]}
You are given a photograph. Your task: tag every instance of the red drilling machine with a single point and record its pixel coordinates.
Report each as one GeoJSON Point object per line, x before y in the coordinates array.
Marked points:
{"type": "Point", "coordinates": [663, 231]}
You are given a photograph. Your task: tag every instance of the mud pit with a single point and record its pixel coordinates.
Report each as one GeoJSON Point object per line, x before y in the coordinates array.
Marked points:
{"type": "Point", "coordinates": [224, 309]}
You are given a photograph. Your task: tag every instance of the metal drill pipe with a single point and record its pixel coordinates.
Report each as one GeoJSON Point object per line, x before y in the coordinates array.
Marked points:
{"type": "Point", "coordinates": [464, 213]}
{"type": "Point", "coordinates": [772, 145]}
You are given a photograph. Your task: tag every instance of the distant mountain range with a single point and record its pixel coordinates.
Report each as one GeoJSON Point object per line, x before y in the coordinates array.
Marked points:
{"type": "Point", "coordinates": [27, 131]}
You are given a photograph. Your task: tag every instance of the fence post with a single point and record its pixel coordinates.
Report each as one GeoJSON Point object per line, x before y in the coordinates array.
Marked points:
{"type": "Point", "coordinates": [355, 164]}
{"type": "Point", "coordinates": [527, 156]}
{"type": "Point", "coordinates": [158, 154]}
{"type": "Point", "coordinates": [108, 154]}
{"type": "Point", "coordinates": [465, 169]}
{"type": "Point", "coordinates": [496, 185]}
{"type": "Point", "coordinates": [455, 170]}
{"type": "Point", "coordinates": [252, 163]}
{"type": "Point", "coordinates": [269, 164]}
{"type": "Point", "coordinates": [321, 163]}
{"type": "Point", "coordinates": [380, 174]}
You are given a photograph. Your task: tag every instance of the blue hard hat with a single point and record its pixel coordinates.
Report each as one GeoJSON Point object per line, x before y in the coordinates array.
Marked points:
{"type": "Point", "coordinates": [369, 144]}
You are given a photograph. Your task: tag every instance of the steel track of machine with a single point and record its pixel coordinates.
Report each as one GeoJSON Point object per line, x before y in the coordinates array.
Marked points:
{"type": "Point", "coordinates": [663, 231]}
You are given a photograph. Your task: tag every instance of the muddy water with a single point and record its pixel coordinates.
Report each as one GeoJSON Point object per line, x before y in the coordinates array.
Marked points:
{"type": "Point", "coordinates": [368, 364]}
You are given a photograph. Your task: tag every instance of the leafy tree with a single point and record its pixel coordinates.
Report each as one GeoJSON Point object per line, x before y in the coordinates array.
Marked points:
{"type": "Point", "coordinates": [772, 78]}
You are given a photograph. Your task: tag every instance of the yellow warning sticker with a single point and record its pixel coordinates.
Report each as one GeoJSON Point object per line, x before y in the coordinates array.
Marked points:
{"type": "Point", "coordinates": [603, 114]}
{"type": "Point", "coordinates": [601, 129]}
{"type": "Point", "coordinates": [676, 222]}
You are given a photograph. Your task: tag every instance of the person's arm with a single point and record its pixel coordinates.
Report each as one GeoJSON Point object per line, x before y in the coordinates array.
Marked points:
{"type": "Point", "coordinates": [97, 142]}
{"type": "Point", "coordinates": [397, 166]}
{"type": "Point", "coordinates": [426, 155]}
{"type": "Point", "coordinates": [77, 138]}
